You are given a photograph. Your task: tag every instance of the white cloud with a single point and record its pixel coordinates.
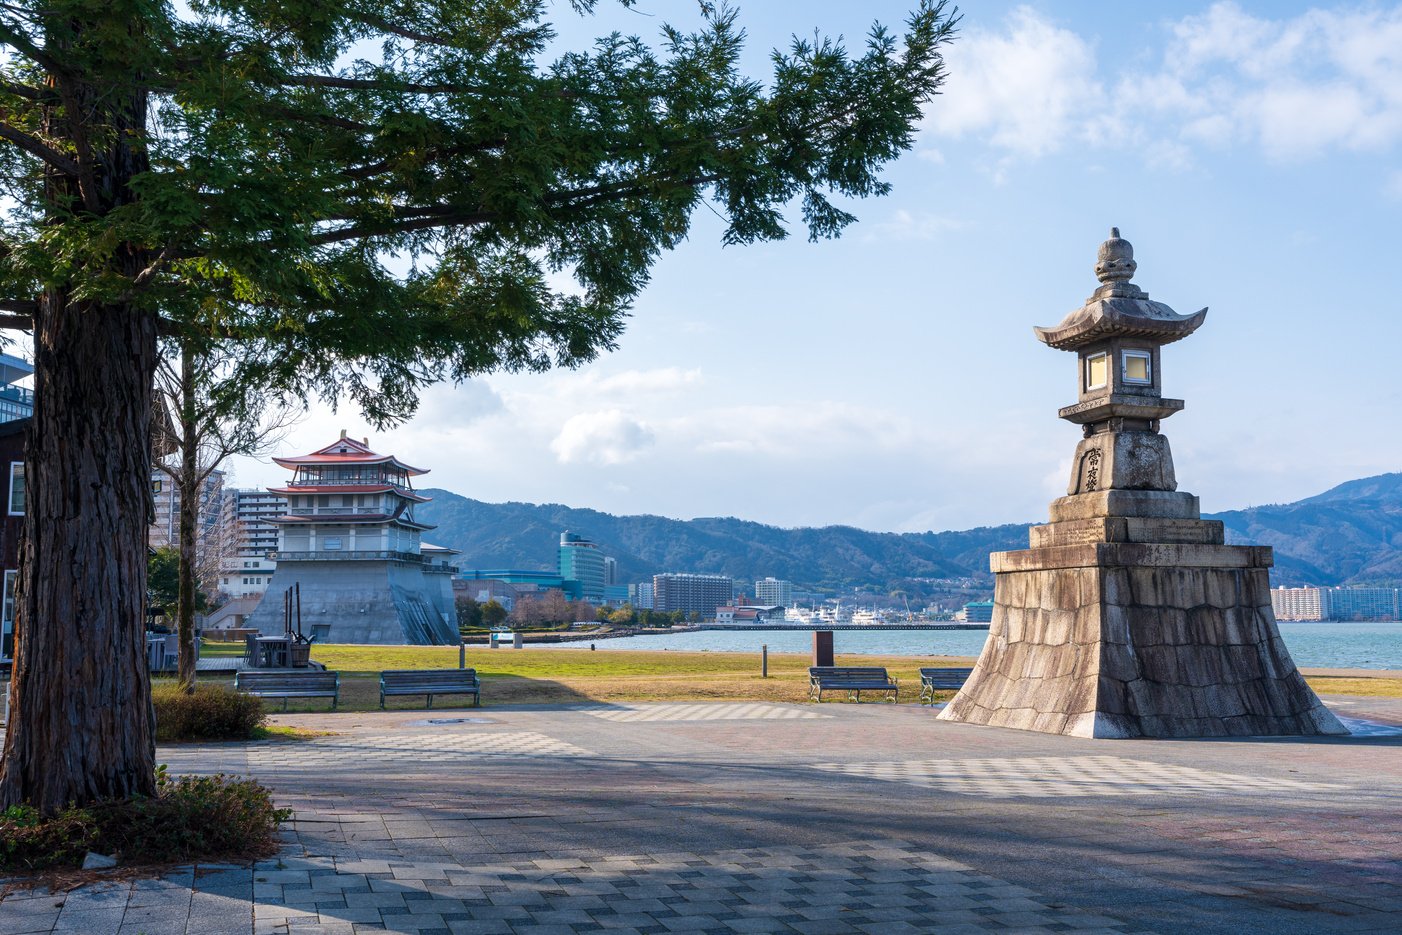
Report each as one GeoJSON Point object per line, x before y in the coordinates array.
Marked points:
{"type": "Point", "coordinates": [1293, 88]}
{"type": "Point", "coordinates": [606, 437]}
{"type": "Point", "coordinates": [1026, 88]}
{"type": "Point", "coordinates": [911, 225]}
{"type": "Point", "coordinates": [661, 380]}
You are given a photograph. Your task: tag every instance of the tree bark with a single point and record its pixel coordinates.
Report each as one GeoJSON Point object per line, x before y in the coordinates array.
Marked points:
{"type": "Point", "coordinates": [81, 726]}
{"type": "Point", "coordinates": [189, 515]}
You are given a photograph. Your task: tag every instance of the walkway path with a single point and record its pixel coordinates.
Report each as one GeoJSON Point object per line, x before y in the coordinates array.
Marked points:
{"type": "Point", "coordinates": [756, 818]}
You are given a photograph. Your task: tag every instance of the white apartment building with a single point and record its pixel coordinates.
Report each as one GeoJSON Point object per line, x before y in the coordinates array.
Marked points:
{"type": "Point", "coordinates": [772, 591]}
{"type": "Point", "coordinates": [247, 569]}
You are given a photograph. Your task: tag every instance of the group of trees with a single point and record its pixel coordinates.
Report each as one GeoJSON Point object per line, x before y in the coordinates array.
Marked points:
{"type": "Point", "coordinates": [347, 201]}
{"type": "Point", "coordinates": [628, 615]}
{"type": "Point", "coordinates": [550, 608]}
{"type": "Point", "coordinates": [474, 615]}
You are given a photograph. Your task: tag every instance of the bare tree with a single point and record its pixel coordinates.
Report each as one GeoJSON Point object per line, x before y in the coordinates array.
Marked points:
{"type": "Point", "coordinates": [207, 423]}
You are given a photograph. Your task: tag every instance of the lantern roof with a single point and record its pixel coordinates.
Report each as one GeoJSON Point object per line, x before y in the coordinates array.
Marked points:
{"type": "Point", "coordinates": [1119, 308]}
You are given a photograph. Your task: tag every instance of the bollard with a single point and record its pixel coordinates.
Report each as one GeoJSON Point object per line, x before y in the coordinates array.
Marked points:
{"type": "Point", "coordinates": [591, 647]}
{"type": "Point", "coordinates": [517, 640]}
{"type": "Point", "coordinates": [764, 661]}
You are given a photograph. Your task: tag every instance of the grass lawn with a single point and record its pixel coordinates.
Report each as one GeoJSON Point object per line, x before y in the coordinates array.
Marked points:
{"type": "Point", "coordinates": [555, 676]}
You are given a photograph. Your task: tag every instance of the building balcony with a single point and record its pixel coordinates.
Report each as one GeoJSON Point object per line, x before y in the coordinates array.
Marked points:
{"type": "Point", "coordinates": [335, 555]}
{"type": "Point", "coordinates": [359, 481]}
{"type": "Point", "coordinates": [337, 511]}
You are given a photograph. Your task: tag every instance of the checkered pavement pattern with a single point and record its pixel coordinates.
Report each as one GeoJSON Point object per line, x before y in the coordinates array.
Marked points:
{"type": "Point", "coordinates": [862, 888]}
{"type": "Point", "coordinates": [1061, 777]}
{"type": "Point", "coordinates": [700, 712]}
{"type": "Point", "coordinates": [415, 748]}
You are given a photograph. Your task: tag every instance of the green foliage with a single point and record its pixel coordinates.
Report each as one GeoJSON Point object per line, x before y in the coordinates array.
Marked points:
{"type": "Point", "coordinates": [211, 712]}
{"type": "Point", "coordinates": [189, 818]}
{"type": "Point", "coordinates": [163, 582]}
{"type": "Point", "coordinates": [364, 198]}
{"type": "Point", "coordinates": [469, 613]}
{"type": "Point", "coordinates": [493, 613]}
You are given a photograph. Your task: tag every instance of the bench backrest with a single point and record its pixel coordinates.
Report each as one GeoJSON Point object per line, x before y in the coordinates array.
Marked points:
{"type": "Point", "coordinates": [287, 681]}
{"type": "Point", "coordinates": [946, 676]}
{"type": "Point", "coordinates": [847, 673]}
{"type": "Point", "coordinates": [429, 678]}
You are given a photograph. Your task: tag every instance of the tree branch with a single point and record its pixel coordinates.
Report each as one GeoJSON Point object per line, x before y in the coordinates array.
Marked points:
{"type": "Point", "coordinates": [18, 40]}
{"type": "Point", "coordinates": [38, 95]}
{"type": "Point", "coordinates": [365, 84]}
{"type": "Point", "coordinates": [17, 322]}
{"type": "Point", "coordinates": [34, 147]}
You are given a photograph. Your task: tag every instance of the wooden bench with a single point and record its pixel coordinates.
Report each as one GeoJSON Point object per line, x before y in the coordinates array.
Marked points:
{"type": "Point", "coordinates": [851, 679]}
{"type": "Point", "coordinates": [430, 682]}
{"type": "Point", "coordinates": [287, 685]}
{"type": "Point", "coordinates": [941, 679]}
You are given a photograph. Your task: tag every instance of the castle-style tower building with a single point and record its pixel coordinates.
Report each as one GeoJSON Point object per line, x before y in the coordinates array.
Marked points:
{"type": "Point", "coordinates": [349, 538]}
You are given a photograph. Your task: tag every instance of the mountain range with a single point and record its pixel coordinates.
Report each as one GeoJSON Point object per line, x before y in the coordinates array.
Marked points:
{"type": "Point", "coordinates": [1351, 534]}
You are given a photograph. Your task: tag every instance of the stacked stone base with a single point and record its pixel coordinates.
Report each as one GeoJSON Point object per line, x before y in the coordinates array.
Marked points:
{"type": "Point", "coordinates": [1137, 639]}
{"type": "Point", "coordinates": [384, 602]}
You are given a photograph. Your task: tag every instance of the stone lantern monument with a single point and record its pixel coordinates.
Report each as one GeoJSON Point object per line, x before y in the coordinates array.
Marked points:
{"type": "Point", "coordinates": [1128, 616]}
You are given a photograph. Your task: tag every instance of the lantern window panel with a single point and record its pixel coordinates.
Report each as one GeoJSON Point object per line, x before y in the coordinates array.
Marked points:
{"type": "Point", "coordinates": [1097, 371]}
{"type": "Point", "coordinates": [1137, 367]}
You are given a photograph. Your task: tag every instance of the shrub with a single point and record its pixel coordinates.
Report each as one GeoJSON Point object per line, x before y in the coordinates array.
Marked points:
{"type": "Point", "coordinates": [213, 712]}
{"type": "Point", "coordinates": [190, 818]}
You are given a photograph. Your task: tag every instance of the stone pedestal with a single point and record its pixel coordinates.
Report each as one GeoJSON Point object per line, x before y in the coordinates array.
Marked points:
{"type": "Point", "coordinates": [1141, 624]}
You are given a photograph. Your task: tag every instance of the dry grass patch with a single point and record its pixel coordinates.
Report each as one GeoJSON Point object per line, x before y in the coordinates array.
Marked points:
{"type": "Point", "coordinates": [1371, 687]}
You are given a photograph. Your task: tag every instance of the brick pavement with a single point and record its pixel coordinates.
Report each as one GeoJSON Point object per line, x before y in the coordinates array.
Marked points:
{"type": "Point", "coordinates": [718, 819]}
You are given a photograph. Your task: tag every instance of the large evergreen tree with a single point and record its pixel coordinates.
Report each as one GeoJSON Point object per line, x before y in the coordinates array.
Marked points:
{"type": "Point", "coordinates": [360, 197]}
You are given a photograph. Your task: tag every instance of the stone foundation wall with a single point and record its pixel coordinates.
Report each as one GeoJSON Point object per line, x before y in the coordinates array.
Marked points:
{"type": "Point", "coordinates": [361, 602]}
{"type": "Point", "coordinates": [1107, 651]}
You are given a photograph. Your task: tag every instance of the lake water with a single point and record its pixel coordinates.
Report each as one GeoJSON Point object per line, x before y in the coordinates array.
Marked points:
{"type": "Point", "coordinates": [1315, 645]}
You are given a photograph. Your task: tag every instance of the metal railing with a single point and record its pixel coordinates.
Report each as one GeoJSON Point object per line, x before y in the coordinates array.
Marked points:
{"type": "Point", "coordinates": [338, 555]}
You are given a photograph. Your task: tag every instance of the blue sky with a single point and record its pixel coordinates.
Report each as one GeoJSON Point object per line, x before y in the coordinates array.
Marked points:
{"type": "Point", "coordinates": [890, 379]}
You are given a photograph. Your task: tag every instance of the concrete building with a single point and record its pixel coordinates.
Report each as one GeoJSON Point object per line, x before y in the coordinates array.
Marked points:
{"type": "Point", "coordinates": [700, 594]}
{"type": "Point", "coordinates": [774, 591]}
{"type": "Point", "coordinates": [249, 515]}
{"type": "Point", "coordinates": [640, 595]}
{"type": "Point", "coordinates": [610, 571]}
{"type": "Point", "coordinates": [16, 402]}
{"type": "Point", "coordinates": [581, 560]}
{"type": "Point", "coordinates": [349, 538]}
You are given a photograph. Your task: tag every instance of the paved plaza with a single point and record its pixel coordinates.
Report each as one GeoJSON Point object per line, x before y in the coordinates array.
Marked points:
{"type": "Point", "coordinates": [753, 818]}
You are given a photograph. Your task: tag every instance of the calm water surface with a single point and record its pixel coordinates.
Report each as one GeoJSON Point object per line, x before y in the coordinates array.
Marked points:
{"type": "Point", "coordinates": [1323, 645]}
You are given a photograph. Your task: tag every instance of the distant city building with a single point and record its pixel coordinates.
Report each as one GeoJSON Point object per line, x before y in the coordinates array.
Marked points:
{"type": "Point", "coordinates": [165, 527]}
{"type": "Point", "coordinates": [610, 571]}
{"type": "Point", "coordinates": [739, 613]}
{"type": "Point", "coordinates": [248, 523]}
{"type": "Point", "coordinates": [1299, 603]}
{"type": "Point", "coordinates": [16, 402]}
{"type": "Point", "coordinates": [640, 595]}
{"type": "Point", "coordinates": [1362, 603]}
{"type": "Point", "coordinates": [978, 612]}
{"type": "Point", "coordinates": [582, 561]}
{"type": "Point", "coordinates": [1336, 603]}
{"type": "Point", "coordinates": [483, 590]}
{"type": "Point", "coordinates": [525, 580]}
{"type": "Point", "coordinates": [774, 591]}
{"type": "Point", "coordinates": [700, 594]}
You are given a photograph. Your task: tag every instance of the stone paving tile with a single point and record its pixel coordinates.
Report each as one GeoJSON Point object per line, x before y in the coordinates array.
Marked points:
{"type": "Point", "coordinates": [565, 821]}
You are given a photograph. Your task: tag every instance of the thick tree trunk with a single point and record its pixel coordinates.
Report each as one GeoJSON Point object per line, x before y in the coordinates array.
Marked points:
{"type": "Point", "coordinates": [189, 514]}
{"type": "Point", "coordinates": [80, 719]}
{"type": "Point", "coordinates": [81, 726]}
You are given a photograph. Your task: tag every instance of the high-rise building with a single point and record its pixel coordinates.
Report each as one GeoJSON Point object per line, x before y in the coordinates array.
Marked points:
{"type": "Point", "coordinates": [773, 592]}
{"type": "Point", "coordinates": [1299, 603]}
{"type": "Point", "coordinates": [610, 571]}
{"type": "Point", "coordinates": [1362, 604]}
{"type": "Point", "coordinates": [700, 594]}
{"type": "Point", "coordinates": [249, 515]}
{"type": "Point", "coordinates": [16, 402]}
{"type": "Point", "coordinates": [165, 527]}
{"type": "Point", "coordinates": [640, 595]}
{"type": "Point", "coordinates": [348, 538]}
{"type": "Point", "coordinates": [582, 561]}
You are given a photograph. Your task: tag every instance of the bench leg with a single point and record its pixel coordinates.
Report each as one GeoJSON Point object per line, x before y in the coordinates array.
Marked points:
{"type": "Point", "coordinates": [430, 701]}
{"type": "Point", "coordinates": [284, 704]}
{"type": "Point", "coordinates": [382, 701]}
{"type": "Point", "coordinates": [477, 699]}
